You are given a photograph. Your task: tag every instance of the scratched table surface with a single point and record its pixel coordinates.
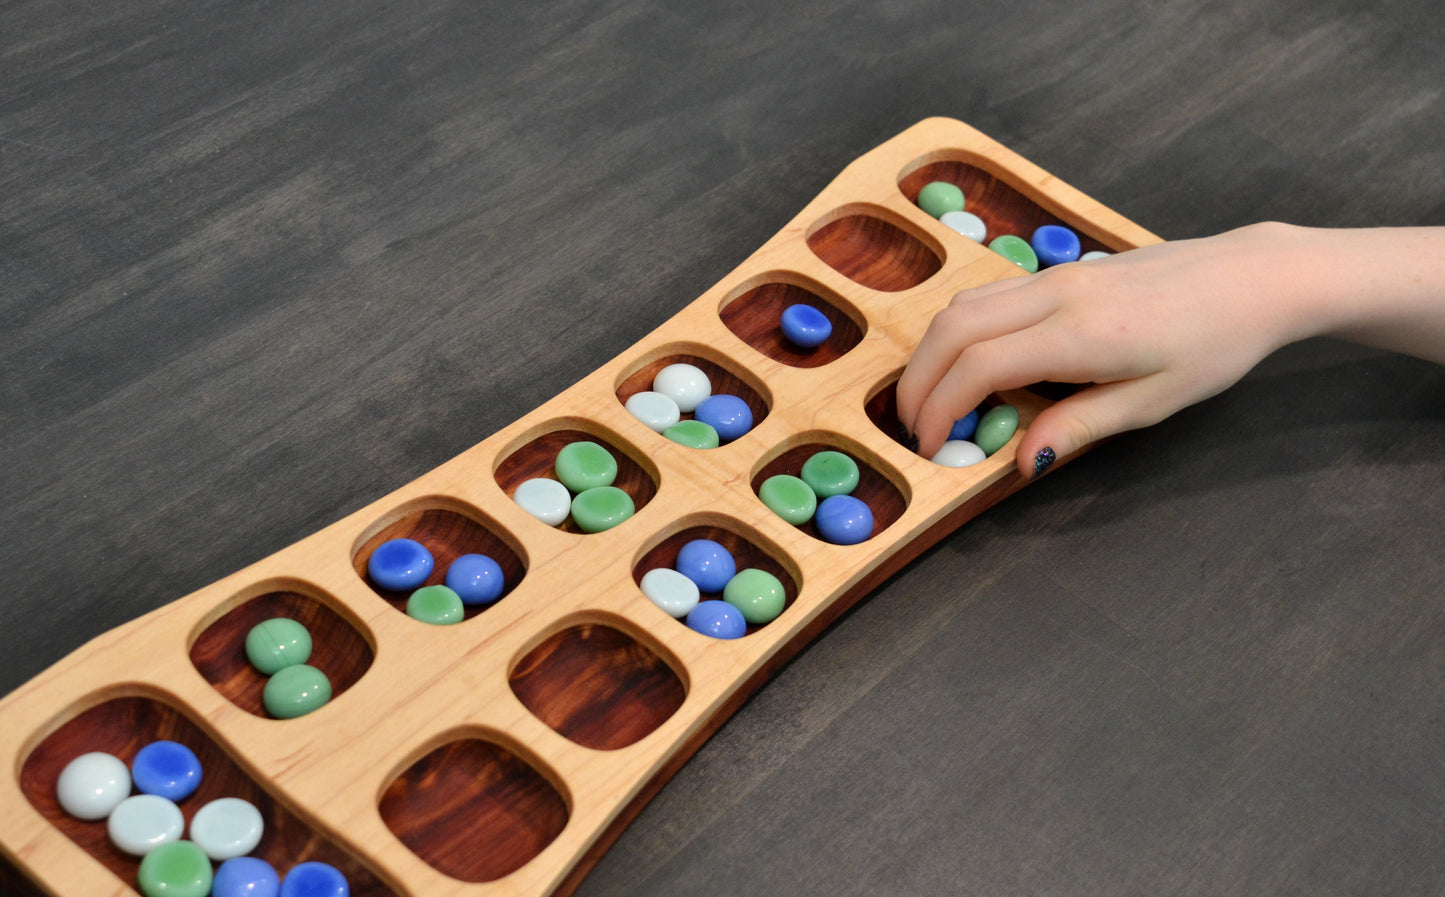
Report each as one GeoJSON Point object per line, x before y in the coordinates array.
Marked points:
{"type": "Point", "coordinates": [262, 263]}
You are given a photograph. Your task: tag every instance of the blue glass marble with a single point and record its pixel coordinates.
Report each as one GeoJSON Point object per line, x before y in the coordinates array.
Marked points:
{"type": "Point", "coordinates": [245, 877]}
{"type": "Point", "coordinates": [1055, 244]}
{"type": "Point", "coordinates": [843, 520]}
{"type": "Point", "coordinates": [963, 427]}
{"type": "Point", "coordinates": [476, 578]}
{"type": "Point", "coordinates": [315, 879]}
{"type": "Point", "coordinates": [805, 326]}
{"type": "Point", "coordinates": [729, 415]}
{"type": "Point", "coordinates": [717, 619]}
{"type": "Point", "coordinates": [400, 565]}
{"type": "Point", "coordinates": [166, 769]}
{"type": "Point", "coordinates": [706, 563]}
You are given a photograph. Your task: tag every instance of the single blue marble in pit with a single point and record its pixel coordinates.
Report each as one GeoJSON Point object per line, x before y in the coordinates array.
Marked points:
{"type": "Point", "coordinates": [729, 415]}
{"type": "Point", "coordinates": [246, 877]}
{"type": "Point", "coordinates": [707, 563]}
{"type": "Point", "coordinates": [166, 769]}
{"type": "Point", "coordinates": [1055, 244]}
{"type": "Point", "coordinates": [717, 619]}
{"type": "Point", "coordinates": [963, 427]}
{"type": "Point", "coordinates": [476, 578]}
{"type": "Point", "coordinates": [400, 565]}
{"type": "Point", "coordinates": [805, 326]}
{"type": "Point", "coordinates": [843, 520]}
{"type": "Point", "coordinates": [313, 879]}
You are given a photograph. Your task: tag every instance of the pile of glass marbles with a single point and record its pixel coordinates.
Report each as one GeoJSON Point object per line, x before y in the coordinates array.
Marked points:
{"type": "Point", "coordinates": [150, 824]}
{"type": "Point", "coordinates": [822, 492]}
{"type": "Point", "coordinates": [973, 437]}
{"type": "Point", "coordinates": [747, 597]}
{"type": "Point", "coordinates": [582, 489]}
{"type": "Point", "coordinates": [403, 565]}
{"type": "Point", "coordinates": [680, 389]}
{"type": "Point", "coordinates": [279, 648]}
{"type": "Point", "coordinates": [1051, 244]}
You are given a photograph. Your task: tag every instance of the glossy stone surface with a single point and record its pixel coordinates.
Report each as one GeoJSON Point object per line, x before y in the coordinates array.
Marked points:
{"type": "Point", "coordinates": [844, 520]}
{"type": "Point", "coordinates": [693, 434]}
{"type": "Point", "coordinates": [280, 642]}
{"type": "Point", "coordinates": [476, 578]}
{"type": "Point", "coordinates": [143, 822]}
{"type": "Point", "coordinates": [670, 590]}
{"type": "Point", "coordinates": [92, 785]}
{"type": "Point", "coordinates": [246, 877]}
{"type": "Point", "coordinates": [585, 465]}
{"type": "Point", "coordinates": [963, 427]}
{"type": "Point", "coordinates": [966, 223]}
{"type": "Point", "coordinates": [1094, 254]}
{"type": "Point", "coordinates": [313, 879]}
{"type": "Point", "coordinates": [177, 869]}
{"type": "Point", "coordinates": [757, 594]}
{"type": "Point", "coordinates": [1017, 250]}
{"type": "Point", "coordinates": [438, 605]}
{"type": "Point", "coordinates": [166, 768]}
{"type": "Point", "coordinates": [958, 453]}
{"type": "Point", "coordinates": [940, 197]}
{"type": "Point", "coordinates": [789, 497]}
{"type": "Point", "coordinates": [1055, 244]}
{"type": "Point", "coordinates": [685, 384]}
{"type": "Point", "coordinates": [718, 619]}
{"type": "Point", "coordinates": [601, 509]}
{"type": "Point", "coordinates": [707, 563]}
{"type": "Point", "coordinates": [654, 409]}
{"type": "Point", "coordinates": [996, 428]}
{"type": "Point", "coordinates": [729, 416]}
{"type": "Point", "coordinates": [805, 326]}
{"type": "Point", "coordinates": [296, 691]}
{"type": "Point", "coordinates": [830, 473]}
{"type": "Point", "coordinates": [227, 827]}
{"type": "Point", "coordinates": [544, 498]}
{"type": "Point", "coordinates": [399, 564]}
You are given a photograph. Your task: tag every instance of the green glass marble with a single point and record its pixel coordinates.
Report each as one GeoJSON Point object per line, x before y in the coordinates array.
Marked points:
{"type": "Point", "coordinates": [939, 198]}
{"type": "Point", "coordinates": [693, 434]}
{"type": "Point", "coordinates": [995, 428]}
{"type": "Point", "coordinates": [1017, 250]}
{"type": "Point", "coordinates": [789, 497]}
{"type": "Point", "coordinates": [439, 605]}
{"type": "Point", "coordinates": [830, 473]}
{"type": "Point", "coordinates": [585, 465]}
{"type": "Point", "coordinates": [757, 594]}
{"type": "Point", "coordinates": [175, 869]}
{"type": "Point", "coordinates": [601, 509]}
{"type": "Point", "coordinates": [275, 644]}
{"type": "Point", "coordinates": [296, 691]}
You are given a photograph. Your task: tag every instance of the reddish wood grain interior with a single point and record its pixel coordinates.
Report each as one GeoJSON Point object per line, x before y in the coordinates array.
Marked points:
{"type": "Point", "coordinates": [448, 535]}
{"type": "Point", "coordinates": [874, 253]}
{"type": "Point", "coordinates": [473, 810]}
{"type": "Point", "coordinates": [877, 491]}
{"type": "Point", "coordinates": [122, 726]}
{"type": "Point", "coordinates": [755, 317]}
{"type": "Point", "coordinates": [744, 551]}
{"type": "Point", "coordinates": [538, 458]}
{"type": "Point", "coordinates": [723, 380]}
{"type": "Point", "coordinates": [598, 686]}
{"type": "Point", "coordinates": [1003, 209]}
{"type": "Point", "coordinates": [338, 649]}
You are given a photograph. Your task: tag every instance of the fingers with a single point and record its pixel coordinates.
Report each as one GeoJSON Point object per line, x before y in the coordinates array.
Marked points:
{"type": "Point", "coordinates": [1097, 413]}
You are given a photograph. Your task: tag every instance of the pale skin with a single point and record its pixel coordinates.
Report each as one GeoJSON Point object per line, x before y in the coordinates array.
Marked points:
{"type": "Point", "coordinates": [1159, 328]}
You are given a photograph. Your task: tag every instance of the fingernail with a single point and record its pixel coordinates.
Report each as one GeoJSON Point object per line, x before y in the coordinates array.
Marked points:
{"type": "Point", "coordinates": [909, 440]}
{"type": "Point", "coordinates": [1043, 461]}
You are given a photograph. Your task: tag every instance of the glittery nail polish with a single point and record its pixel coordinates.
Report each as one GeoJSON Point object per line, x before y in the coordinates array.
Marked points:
{"type": "Point", "coordinates": [909, 440]}
{"type": "Point", "coordinates": [1043, 461]}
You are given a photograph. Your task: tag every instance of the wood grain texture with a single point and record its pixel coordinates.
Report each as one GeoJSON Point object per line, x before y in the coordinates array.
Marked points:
{"type": "Point", "coordinates": [263, 264]}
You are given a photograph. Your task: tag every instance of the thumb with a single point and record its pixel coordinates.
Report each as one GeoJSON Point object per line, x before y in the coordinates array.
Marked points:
{"type": "Point", "coordinates": [1090, 415]}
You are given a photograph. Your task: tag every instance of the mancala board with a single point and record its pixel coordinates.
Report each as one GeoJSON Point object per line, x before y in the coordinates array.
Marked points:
{"type": "Point", "coordinates": [505, 753]}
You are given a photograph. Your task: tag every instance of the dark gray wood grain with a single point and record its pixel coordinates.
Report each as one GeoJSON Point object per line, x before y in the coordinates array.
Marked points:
{"type": "Point", "coordinates": [263, 262]}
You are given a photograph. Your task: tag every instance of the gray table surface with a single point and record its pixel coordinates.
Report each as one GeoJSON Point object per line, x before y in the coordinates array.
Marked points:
{"type": "Point", "coordinates": [261, 263]}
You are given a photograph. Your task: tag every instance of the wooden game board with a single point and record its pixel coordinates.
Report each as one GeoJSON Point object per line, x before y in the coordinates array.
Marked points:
{"type": "Point", "coordinates": [504, 754]}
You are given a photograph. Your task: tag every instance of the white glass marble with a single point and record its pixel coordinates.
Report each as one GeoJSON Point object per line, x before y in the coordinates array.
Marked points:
{"type": "Point", "coordinates": [1094, 254]}
{"type": "Point", "coordinates": [966, 223]}
{"type": "Point", "coordinates": [544, 498]}
{"type": "Point", "coordinates": [144, 822]}
{"type": "Point", "coordinates": [227, 827]}
{"type": "Point", "coordinates": [958, 453]}
{"type": "Point", "coordinates": [92, 785]}
{"type": "Point", "coordinates": [670, 590]}
{"type": "Point", "coordinates": [654, 409]}
{"type": "Point", "coordinates": [685, 384]}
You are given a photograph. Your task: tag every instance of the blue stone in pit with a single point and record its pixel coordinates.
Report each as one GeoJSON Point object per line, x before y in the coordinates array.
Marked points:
{"type": "Point", "coordinates": [400, 565]}
{"type": "Point", "coordinates": [729, 415]}
{"type": "Point", "coordinates": [706, 563]}
{"type": "Point", "coordinates": [843, 520]}
{"type": "Point", "coordinates": [963, 427]}
{"type": "Point", "coordinates": [717, 619]}
{"type": "Point", "coordinates": [805, 326]}
{"type": "Point", "coordinates": [1055, 244]}
{"type": "Point", "coordinates": [245, 877]}
{"type": "Point", "coordinates": [313, 879]}
{"type": "Point", "coordinates": [166, 769]}
{"type": "Point", "coordinates": [476, 578]}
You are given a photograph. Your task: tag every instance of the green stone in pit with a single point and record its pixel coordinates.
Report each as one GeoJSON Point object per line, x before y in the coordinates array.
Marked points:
{"type": "Point", "coordinates": [1016, 250]}
{"type": "Point", "coordinates": [789, 497]}
{"type": "Point", "coordinates": [601, 509]}
{"type": "Point", "coordinates": [939, 198]}
{"type": "Point", "coordinates": [693, 434]}
{"type": "Point", "coordinates": [830, 473]}
{"type": "Point", "coordinates": [272, 645]}
{"type": "Point", "coordinates": [996, 428]}
{"type": "Point", "coordinates": [296, 691]}
{"type": "Point", "coordinates": [757, 594]}
{"type": "Point", "coordinates": [585, 465]}
{"type": "Point", "coordinates": [438, 605]}
{"type": "Point", "coordinates": [175, 869]}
